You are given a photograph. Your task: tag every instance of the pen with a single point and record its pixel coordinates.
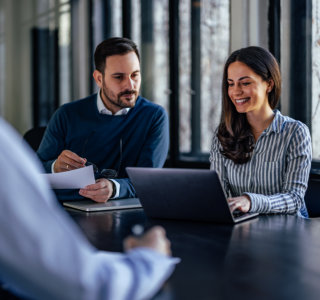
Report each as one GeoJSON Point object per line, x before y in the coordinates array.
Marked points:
{"type": "Point", "coordinates": [137, 230]}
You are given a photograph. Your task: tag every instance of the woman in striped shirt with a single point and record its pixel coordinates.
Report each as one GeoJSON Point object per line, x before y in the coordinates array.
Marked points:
{"type": "Point", "coordinates": [262, 157]}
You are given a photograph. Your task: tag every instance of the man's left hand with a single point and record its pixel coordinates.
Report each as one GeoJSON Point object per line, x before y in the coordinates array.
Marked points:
{"type": "Point", "coordinates": [100, 191]}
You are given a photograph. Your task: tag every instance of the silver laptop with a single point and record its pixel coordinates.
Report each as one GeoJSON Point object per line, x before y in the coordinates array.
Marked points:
{"type": "Point", "coordinates": [185, 194]}
{"type": "Point", "coordinates": [89, 205]}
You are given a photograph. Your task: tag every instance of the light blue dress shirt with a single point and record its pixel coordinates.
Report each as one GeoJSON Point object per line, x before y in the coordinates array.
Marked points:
{"type": "Point", "coordinates": [43, 254]}
{"type": "Point", "coordinates": [276, 177]}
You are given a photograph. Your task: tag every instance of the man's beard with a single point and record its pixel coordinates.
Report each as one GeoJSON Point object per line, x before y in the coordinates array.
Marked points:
{"type": "Point", "coordinates": [116, 99]}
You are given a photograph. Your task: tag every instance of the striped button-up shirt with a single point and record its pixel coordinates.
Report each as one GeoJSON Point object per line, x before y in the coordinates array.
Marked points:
{"type": "Point", "coordinates": [276, 176]}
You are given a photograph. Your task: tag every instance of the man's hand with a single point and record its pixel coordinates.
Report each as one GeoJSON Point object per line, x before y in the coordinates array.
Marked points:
{"type": "Point", "coordinates": [67, 161]}
{"type": "Point", "coordinates": [241, 203]}
{"type": "Point", "coordinates": [100, 191]}
{"type": "Point", "coordinates": [155, 238]}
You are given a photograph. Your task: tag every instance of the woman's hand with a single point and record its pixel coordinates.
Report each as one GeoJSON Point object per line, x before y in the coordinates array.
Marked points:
{"type": "Point", "coordinates": [241, 203]}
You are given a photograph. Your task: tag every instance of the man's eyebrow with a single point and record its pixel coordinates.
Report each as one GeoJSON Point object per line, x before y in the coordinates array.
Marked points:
{"type": "Point", "coordinates": [120, 73]}
{"type": "Point", "coordinates": [117, 73]}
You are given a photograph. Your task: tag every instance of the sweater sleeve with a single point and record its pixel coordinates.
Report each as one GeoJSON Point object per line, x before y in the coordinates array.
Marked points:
{"type": "Point", "coordinates": [154, 151]}
{"type": "Point", "coordinates": [53, 142]}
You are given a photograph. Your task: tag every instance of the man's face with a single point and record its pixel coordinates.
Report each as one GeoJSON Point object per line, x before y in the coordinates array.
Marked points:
{"type": "Point", "coordinates": [120, 83]}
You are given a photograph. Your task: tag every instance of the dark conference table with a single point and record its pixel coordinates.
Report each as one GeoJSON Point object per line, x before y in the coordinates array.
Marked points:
{"type": "Point", "coordinates": [269, 257]}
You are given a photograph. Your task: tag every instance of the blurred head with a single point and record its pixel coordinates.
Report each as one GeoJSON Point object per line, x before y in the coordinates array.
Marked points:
{"type": "Point", "coordinates": [117, 73]}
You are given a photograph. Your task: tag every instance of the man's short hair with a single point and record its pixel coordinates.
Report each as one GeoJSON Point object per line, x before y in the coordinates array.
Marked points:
{"type": "Point", "coordinates": [113, 46]}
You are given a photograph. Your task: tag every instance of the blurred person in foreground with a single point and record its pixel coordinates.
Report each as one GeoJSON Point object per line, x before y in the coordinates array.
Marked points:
{"type": "Point", "coordinates": [43, 254]}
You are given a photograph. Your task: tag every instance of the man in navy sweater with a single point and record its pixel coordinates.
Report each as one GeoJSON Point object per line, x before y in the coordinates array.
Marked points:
{"type": "Point", "coordinates": [112, 129]}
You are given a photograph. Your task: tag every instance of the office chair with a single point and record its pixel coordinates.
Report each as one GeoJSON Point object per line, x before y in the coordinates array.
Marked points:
{"type": "Point", "coordinates": [34, 136]}
{"type": "Point", "coordinates": [312, 197]}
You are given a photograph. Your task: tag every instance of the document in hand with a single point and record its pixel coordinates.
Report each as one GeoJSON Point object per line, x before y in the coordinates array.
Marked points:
{"type": "Point", "coordinates": [74, 179]}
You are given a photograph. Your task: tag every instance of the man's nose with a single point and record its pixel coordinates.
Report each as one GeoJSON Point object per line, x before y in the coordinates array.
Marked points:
{"type": "Point", "coordinates": [129, 84]}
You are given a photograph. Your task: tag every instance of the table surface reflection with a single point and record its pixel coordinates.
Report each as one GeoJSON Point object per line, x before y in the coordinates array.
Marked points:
{"type": "Point", "coordinates": [269, 257]}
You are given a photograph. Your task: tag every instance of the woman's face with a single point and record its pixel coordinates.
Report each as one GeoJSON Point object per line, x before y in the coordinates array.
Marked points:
{"type": "Point", "coordinates": [247, 90]}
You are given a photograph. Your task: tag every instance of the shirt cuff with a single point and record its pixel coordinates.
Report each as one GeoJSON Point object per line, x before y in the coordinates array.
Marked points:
{"type": "Point", "coordinates": [259, 203]}
{"type": "Point", "coordinates": [165, 263]}
{"type": "Point", "coordinates": [117, 187]}
{"type": "Point", "coordinates": [150, 252]}
{"type": "Point", "coordinates": [52, 167]}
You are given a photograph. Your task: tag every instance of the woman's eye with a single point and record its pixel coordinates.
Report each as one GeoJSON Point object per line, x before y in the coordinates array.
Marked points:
{"type": "Point", "coordinates": [246, 83]}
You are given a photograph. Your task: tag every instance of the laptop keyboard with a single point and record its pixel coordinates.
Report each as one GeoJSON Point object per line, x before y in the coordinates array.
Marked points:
{"type": "Point", "coordinates": [238, 213]}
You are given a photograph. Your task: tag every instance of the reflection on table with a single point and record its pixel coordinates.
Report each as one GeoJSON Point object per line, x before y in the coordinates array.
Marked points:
{"type": "Point", "coordinates": [270, 257]}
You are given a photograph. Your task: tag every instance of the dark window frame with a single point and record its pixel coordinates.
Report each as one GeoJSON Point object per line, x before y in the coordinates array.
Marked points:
{"type": "Point", "coordinates": [301, 69]}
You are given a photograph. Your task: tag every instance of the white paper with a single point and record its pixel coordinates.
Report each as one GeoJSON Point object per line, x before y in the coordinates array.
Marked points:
{"type": "Point", "coordinates": [74, 179]}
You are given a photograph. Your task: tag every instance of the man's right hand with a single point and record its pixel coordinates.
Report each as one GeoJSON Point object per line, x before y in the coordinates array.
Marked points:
{"type": "Point", "coordinates": [67, 161]}
{"type": "Point", "coordinates": [155, 238]}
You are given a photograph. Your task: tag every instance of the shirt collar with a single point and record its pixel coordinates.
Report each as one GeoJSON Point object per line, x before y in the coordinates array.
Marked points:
{"type": "Point", "coordinates": [277, 123]}
{"type": "Point", "coordinates": [104, 111]}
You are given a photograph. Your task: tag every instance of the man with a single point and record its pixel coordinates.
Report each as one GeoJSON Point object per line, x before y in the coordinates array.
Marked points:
{"type": "Point", "coordinates": [112, 129]}
{"type": "Point", "coordinates": [43, 255]}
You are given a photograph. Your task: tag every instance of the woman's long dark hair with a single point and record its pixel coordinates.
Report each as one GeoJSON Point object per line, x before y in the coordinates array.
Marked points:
{"type": "Point", "coordinates": [234, 131]}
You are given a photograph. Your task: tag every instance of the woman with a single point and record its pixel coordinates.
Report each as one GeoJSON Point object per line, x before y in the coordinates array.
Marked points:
{"type": "Point", "coordinates": [262, 157]}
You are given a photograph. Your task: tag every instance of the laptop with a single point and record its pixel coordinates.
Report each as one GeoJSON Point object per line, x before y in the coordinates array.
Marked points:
{"type": "Point", "coordinates": [183, 194]}
{"type": "Point", "coordinates": [90, 206]}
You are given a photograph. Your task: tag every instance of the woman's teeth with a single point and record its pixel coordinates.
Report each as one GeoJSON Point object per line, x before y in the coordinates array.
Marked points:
{"type": "Point", "coordinates": [242, 100]}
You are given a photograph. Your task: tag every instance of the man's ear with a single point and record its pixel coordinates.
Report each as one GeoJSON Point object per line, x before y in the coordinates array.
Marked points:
{"type": "Point", "coordinates": [97, 75]}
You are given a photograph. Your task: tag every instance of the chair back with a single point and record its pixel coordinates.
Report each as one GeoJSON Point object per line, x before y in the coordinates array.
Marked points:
{"type": "Point", "coordinates": [312, 197]}
{"type": "Point", "coordinates": [34, 136]}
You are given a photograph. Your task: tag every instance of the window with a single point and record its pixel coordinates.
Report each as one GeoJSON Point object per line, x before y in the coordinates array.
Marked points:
{"type": "Point", "coordinates": [64, 39]}
{"type": "Point", "coordinates": [34, 60]}
{"type": "Point", "coordinates": [51, 49]}
{"type": "Point", "coordinates": [2, 58]}
{"type": "Point", "coordinates": [154, 50]}
{"type": "Point", "coordinates": [204, 47]}
{"type": "Point", "coordinates": [316, 79]}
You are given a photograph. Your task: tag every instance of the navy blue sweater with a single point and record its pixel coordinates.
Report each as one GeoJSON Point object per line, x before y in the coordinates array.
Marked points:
{"type": "Point", "coordinates": [80, 128]}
